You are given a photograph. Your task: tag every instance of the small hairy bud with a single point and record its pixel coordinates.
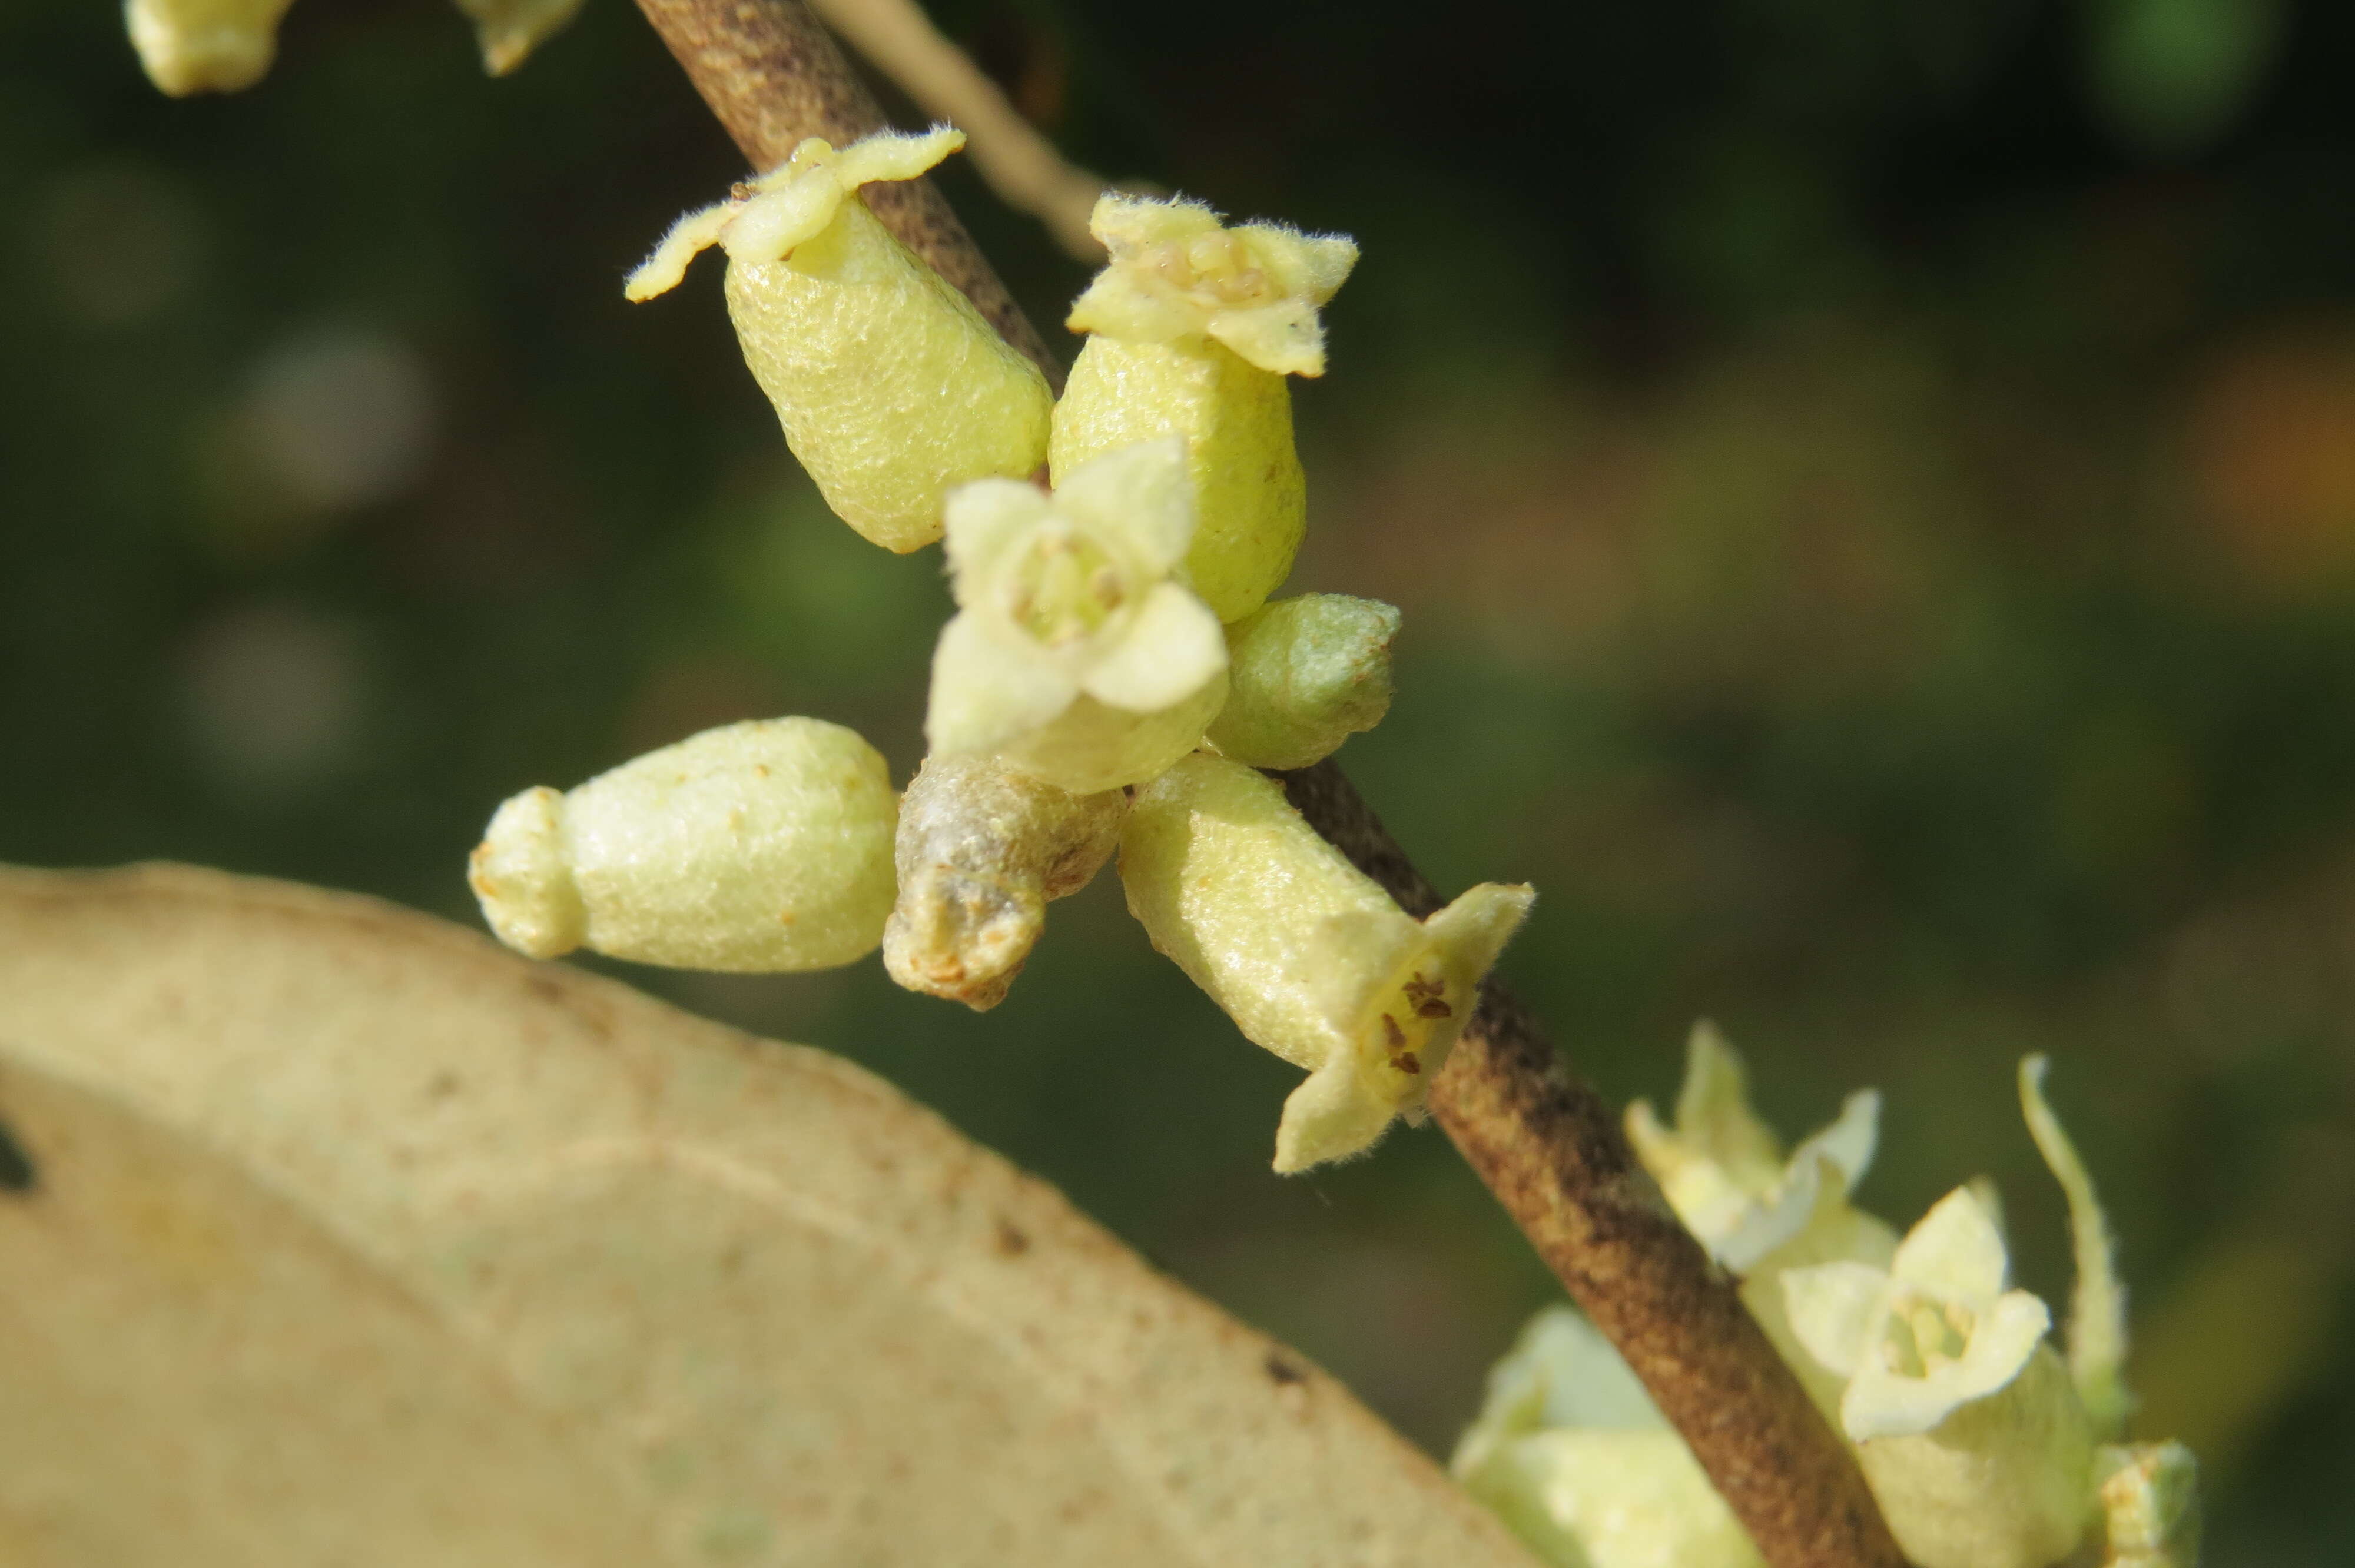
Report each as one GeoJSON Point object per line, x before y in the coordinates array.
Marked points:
{"type": "Point", "coordinates": [508, 30]}
{"type": "Point", "coordinates": [1304, 675]}
{"type": "Point", "coordinates": [1078, 655]}
{"type": "Point", "coordinates": [1193, 327]}
{"type": "Point", "coordinates": [890, 387]}
{"type": "Point", "coordinates": [205, 46]}
{"type": "Point", "coordinates": [765, 845]}
{"type": "Point", "coordinates": [2150, 1495]}
{"type": "Point", "coordinates": [1308, 954]}
{"type": "Point", "coordinates": [1574, 1457]}
{"type": "Point", "coordinates": [982, 849]}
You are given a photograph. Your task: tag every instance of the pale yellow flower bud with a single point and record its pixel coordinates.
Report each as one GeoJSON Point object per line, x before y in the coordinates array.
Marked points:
{"type": "Point", "coordinates": [205, 46]}
{"type": "Point", "coordinates": [1304, 674]}
{"type": "Point", "coordinates": [892, 388]}
{"type": "Point", "coordinates": [1572, 1455]}
{"type": "Point", "coordinates": [508, 30]}
{"type": "Point", "coordinates": [1193, 328]}
{"type": "Point", "coordinates": [982, 849]}
{"type": "Point", "coordinates": [1078, 655]}
{"type": "Point", "coordinates": [1308, 954]}
{"type": "Point", "coordinates": [765, 845]}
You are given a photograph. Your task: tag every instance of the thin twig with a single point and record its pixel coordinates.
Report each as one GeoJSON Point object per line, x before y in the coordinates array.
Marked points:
{"type": "Point", "coordinates": [1544, 1141]}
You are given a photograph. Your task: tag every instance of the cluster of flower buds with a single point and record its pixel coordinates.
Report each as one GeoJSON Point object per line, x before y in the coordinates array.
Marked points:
{"type": "Point", "coordinates": [1114, 677]}
{"type": "Point", "coordinates": [225, 46]}
{"type": "Point", "coordinates": [1983, 1445]}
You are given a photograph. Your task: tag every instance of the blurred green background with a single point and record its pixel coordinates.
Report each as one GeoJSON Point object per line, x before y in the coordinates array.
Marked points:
{"type": "Point", "coordinates": [1871, 487]}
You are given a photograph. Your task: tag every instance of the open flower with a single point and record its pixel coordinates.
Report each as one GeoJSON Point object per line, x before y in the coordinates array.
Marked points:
{"type": "Point", "coordinates": [1967, 1426]}
{"type": "Point", "coordinates": [1078, 655]}
{"type": "Point", "coordinates": [1306, 953]}
{"type": "Point", "coordinates": [1193, 327]}
{"type": "Point", "coordinates": [891, 388]}
{"type": "Point", "coordinates": [205, 46]}
{"type": "Point", "coordinates": [1177, 272]}
{"type": "Point", "coordinates": [1572, 1455]}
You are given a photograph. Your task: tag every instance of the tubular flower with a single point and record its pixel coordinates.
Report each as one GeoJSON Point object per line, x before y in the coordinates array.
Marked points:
{"type": "Point", "coordinates": [1078, 655]}
{"type": "Point", "coordinates": [1723, 1172]}
{"type": "Point", "coordinates": [982, 849]}
{"type": "Point", "coordinates": [205, 46]}
{"type": "Point", "coordinates": [1193, 327]}
{"type": "Point", "coordinates": [1305, 675]}
{"type": "Point", "coordinates": [1966, 1422]}
{"type": "Point", "coordinates": [2149, 1498]}
{"type": "Point", "coordinates": [1308, 954]}
{"type": "Point", "coordinates": [760, 846]}
{"type": "Point", "coordinates": [892, 388]}
{"type": "Point", "coordinates": [1572, 1455]}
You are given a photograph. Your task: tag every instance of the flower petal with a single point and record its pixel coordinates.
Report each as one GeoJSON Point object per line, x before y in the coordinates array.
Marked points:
{"type": "Point", "coordinates": [1332, 1116]}
{"type": "Point", "coordinates": [792, 213]}
{"type": "Point", "coordinates": [982, 519]}
{"type": "Point", "coordinates": [1286, 337]}
{"type": "Point", "coordinates": [1955, 1253]}
{"type": "Point", "coordinates": [1139, 496]}
{"type": "Point", "coordinates": [1170, 651]}
{"type": "Point", "coordinates": [987, 691]}
{"type": "Point", "coordinates": [660, 272]}
{"type": "Point", "coordinates": [1837, 1310]}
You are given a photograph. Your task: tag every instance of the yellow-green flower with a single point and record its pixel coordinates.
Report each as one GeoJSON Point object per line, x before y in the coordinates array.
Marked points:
{"type": "Point", "coordinates": [892, 388]}
{"type": "Point", "coordinates": [1078, 655]}
{"type": "Point", "coordinates": [1193, 327]}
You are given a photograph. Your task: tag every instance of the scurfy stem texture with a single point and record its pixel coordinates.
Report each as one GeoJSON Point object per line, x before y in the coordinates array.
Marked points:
{"type": "Point", "coordinates": [1544, 1141]}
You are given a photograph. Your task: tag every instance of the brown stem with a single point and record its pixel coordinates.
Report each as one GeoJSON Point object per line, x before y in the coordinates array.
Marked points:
{"type": "Point", "coordinates": [1545, 1142]}
{"type": "Point", "coordinates": [1552, 1150]}
{"type": "Point", "coordinates": [774, 76]}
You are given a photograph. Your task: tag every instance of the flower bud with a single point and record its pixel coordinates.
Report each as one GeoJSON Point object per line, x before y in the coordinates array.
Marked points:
{"type": "Point", "coordinates": [982, 849]}
{"type": "Point", "coordinates": [2149, 1497]}
{"type": "Point", "coordinates": [1574, 1457]}
{"type": "Point", "coordinates": [891, 387]}
{"type": "Point", "coordinates": [760, 846]}
{"type": "Point", "coordinates": [1304, 675]}
{"type": "Point", "coordinates": [508, 30]}
{"type": "Point", "coordinates": [1193, 327]}
{"type": "Point", "coordinates": [1308, 954]}
{"type": "Point", "coordinates": [205, 46]}
{"type": "Point", "coordinates": [1077, 656]}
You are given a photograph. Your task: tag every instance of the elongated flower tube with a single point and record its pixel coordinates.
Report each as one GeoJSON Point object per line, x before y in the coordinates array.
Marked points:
{"type": "Point", "coordinates": [1967, 1426]}
{"type": "Point", "coordinates": [1308, 954]}
{"type": "Point", "coordinates": [508, 30]}
{"type": "Point", "coordinates": [765, 845]}
{"type": "Point", "coordinates": [1078, 655]}
{"type": "Point", "coordinates": [982, 849]}
{"type": "Point", "coordinates": [1758, 1213]}
{"type": "Point", "coordinates": [205, 46]}
{"type": "Point", "coordinates": [892, 388]}
{"type": "Point", "coordinates": [1572, 1455]}
{"type": "Point", "coordinates": [1304, 675]}
{"type": "Point", "coordinates": [1193, 327]}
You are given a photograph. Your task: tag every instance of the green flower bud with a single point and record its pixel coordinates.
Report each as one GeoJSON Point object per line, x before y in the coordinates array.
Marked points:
{"type": "Point", "coordinates": [982, 849]}
{"type": "Point", "coordinates": [2149, 1497]}
{"type": "Point", "coordinates": [1193, 328]}
{"type": "Point", "coordinates": [205, 46]}
{"type": "Point", "coordinates": [1308, 954]}
{"type": "Point", "coordinates": [1078, 655]}
{"type": "Point", "coordinates": [892, 388]}
{"type": "Point", "coordinates": [1572, 1455]}
{"type": "Point", "coordinates": [765, 845]}
{"type": "Point", "coordinates": [1304, 675]}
